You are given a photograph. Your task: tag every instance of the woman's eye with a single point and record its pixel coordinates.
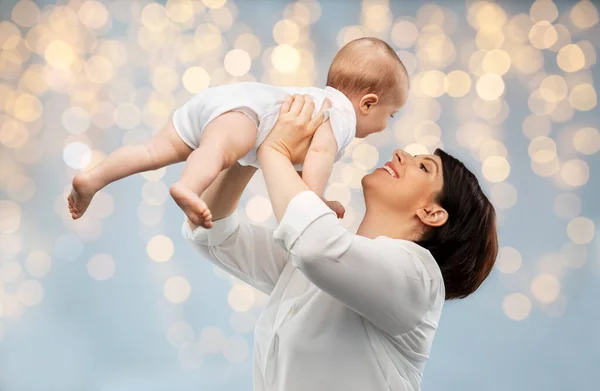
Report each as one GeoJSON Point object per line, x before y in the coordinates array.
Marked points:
{"type": "Point", "coordinates": [423, 167]}
{"type": "Point", "coordinates": [392, 116]}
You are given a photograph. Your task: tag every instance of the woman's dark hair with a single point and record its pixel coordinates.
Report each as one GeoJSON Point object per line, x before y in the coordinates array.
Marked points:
{"type": "Point", "coordinates": [466, 246]}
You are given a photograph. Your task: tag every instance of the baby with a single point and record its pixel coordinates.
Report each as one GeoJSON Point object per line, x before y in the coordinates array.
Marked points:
{"type": "Point", "coordinates": [366, 84]}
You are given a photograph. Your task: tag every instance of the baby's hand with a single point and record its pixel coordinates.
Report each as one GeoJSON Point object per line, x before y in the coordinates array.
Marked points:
{"type": "Point", "coordinates": [337, 208]}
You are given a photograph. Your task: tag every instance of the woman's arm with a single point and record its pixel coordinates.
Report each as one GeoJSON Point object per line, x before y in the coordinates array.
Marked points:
{"type": "Point", "coordinates": [389, 282]}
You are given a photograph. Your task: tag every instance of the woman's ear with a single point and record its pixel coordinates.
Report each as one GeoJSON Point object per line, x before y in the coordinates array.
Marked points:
{"type": "Point", "coordinates": [367, 102]}
{"type": "Point", "coordinates": [433, 215]}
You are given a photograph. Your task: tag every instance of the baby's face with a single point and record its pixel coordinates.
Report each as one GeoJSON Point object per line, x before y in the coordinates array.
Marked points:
{"type": "Point", "coordinates": [376, 120]}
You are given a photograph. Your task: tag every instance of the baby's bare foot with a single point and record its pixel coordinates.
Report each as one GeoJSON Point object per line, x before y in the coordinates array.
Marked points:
{"type": "Point", "coordinates": [81, 195]}
{"type": "Point", "coordinates": [195, 209]}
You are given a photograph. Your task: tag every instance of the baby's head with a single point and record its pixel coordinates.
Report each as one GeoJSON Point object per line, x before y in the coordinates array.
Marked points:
{"type": "Point", "coordinates": [370, 74]}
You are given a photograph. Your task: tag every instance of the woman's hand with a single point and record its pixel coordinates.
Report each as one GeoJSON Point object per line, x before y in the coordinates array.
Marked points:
{"type": "Point", "coordinates": [295, 127]}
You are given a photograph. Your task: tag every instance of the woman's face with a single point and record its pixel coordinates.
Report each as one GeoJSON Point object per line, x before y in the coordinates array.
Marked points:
{"type": "Point", "coordinates": [405, 183]}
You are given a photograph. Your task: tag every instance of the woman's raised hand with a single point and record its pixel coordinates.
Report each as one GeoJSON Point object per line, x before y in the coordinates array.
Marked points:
{"type": "Point", "coordinates": [295, 127]}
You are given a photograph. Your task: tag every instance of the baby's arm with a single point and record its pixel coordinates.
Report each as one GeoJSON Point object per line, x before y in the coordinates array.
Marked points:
{"type": "Point", "coordinates": [319, 159]}
{"type": "Point", "coordinates": [319, 163]}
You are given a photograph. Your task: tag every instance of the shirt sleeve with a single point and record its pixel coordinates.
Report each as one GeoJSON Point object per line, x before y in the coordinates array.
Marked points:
{"type": "Point", "coordinates": [244, 250]}
{"type": "Point", "coordinates": [380, 279]}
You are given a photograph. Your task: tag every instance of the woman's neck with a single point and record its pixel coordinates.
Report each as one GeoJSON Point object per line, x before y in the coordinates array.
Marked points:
{"type": "Point", "coordinates": [391, 225]}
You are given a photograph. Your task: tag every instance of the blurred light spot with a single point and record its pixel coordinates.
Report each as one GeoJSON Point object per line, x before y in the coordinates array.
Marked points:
{"type": "Point", "coordinates": [546, 169]}
{"type": "Point", "coordinates": [242, 322]}
{"type": "Point", "coordinates": [154, 175]}
{"type": "Point", "coordinates": [101, 267]}
{"type": "Point", "coordinates": [574, 255]}
{"type": "Point", "coordinates": [457, 83]}
{"type": "Point", "coordinates": [416, 149]}
{"type": "Point", "coordinates": [25, 13]}
{"type": "Point", "coordinates": [433, 83]}
{"type": "Point", "coordinates": [10, 271]}
{"type": "Point", "coordinates": [155, 193]}
{"type": "Point", "coordinates": [30, 292]}
{"type": "Point", "coordinates": [241, 298]}
{"type": "Point", "coordinates": [575, 172]}
{"type": "Point", "coordinates": [543, 10]}
{"type": "Point", "coordinates": [503, 195]}
{"type": "Point", "coordinates": [160, 248]}
{"type": "Point", "coordinates": [428, 133]}
{"type": "Point", "coordinates": [542, 149]}
{"type": "Point", "coordinates": [127, 116]}
{"type": "Point", "coordinates": [564, 37]}
{"type": "Point", "coordinates": [285, 59]}
{"type": "Point", "coordinates": [93, 14]}
{"type": "Point", "coordinates": [212, 340]}
{"type": "Point", "coordinates": [177, 289]}
{"type": "Point", "coordinates": [286, 32]}
{"type": "Point", "coordinates": [570, 58]}
{"type": "Point", "coordinates": [527, 60]}
{"type": "Point", "coordinates": [338, 192]}
{"type": "Point", "coordinates": [489, 38]}
{"type": "Point", "coordinates": [77, 155]}
{"type": "Point", "coordinates": [249, 43]}
{"type": "Point", "coordinates": [222, 17]}
{"type": "Point", "coordinates": [587, 141]}
{"type": "Point", "coordinates": [195, 79]}
{"type": "Point", "coordinates": [583, 97]}
{"type": "Point", "coordinates": [104, 115]}
{"type": "Point", "coordinates": [10, 216]}
{"type": "Point", "coordinates": [409, 60]}
{"type": "Point", "coordinates": [545, 288]}
{"type": "Point", "coordinates": [76, 120]}
{"type": "Point", "coordinates": [584, 14]}
{"type": "Point", "coordinates": [165, 79]}
{"type": "Point", "coordinates": [472, 134]}
{"type": "Point", "coordinates": [180, 333]}
{"type": "Point", "coordinates": [538, 105]}
{"type": "Point", "coordinates": [59, 54]}
{"type": "Point", "coordinates": [554, 88]}
{"type": "Point", "coordinates": [567, 205]}
{"type": "Point", "coordinates": [237, 62]}
{"type": "Point", "coordinates": [207, 37]}
{"type": "Point", "coordinates": [154, 17]}
{"type": "Point", "coordinates": [365, 156]}
{"type": "Point", "coordinates": [581, 230]}
{"type": "Point", "coordinates": [509, 260]}
{"type": "Point", "coordinates": [496, 61]}
{"type": "Point", "coordinates": [180, 11]}
{"type": "Point", "coordinates": [404, 34]}
{"type": "Point", "coordinates": [352, 175]}
{"type": "Point", "coordinates": [259, 209]}
{"type": "Point", "coordinates": [487, 109]}
{"type": "Point", "coordinates": [589, 51]}
{"type": "Point", "coordinates": [496, 168]}
{"type": "Point", "coordinates": [516, 306]}
{"type": "Point", "coordinates": [214, 3]}
{"type": "Point", "coordinates": [13, 133]}
{"type": "Point", "coordinates": [518, 28]}
{"type": "Point", "coordinates": [490, 86]}
{"type": "Point", "coordinates": [67, 247]}
{"type": "Point", "coordinates": [543, 35]}
{"type": "Point", "coordinates": [27, 108]}
{"type": "Point", "coordinates": [38, 263]}
{"type": "Point", "coordinates": [235, 349]}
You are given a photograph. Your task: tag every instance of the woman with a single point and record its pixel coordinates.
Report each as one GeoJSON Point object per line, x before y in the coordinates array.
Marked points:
{"type": "Point", "coordinates": [350, 312]}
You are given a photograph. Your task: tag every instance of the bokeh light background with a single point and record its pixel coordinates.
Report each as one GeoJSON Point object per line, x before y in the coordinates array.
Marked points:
{"type": "Point", "coordinates": [119, 301]}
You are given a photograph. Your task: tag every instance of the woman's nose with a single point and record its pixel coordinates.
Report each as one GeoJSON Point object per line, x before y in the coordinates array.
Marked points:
{"type": "Point", "coordinates": [401, 156]}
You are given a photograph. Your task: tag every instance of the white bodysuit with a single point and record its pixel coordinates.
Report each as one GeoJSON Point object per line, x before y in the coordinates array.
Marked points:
{"type": "Point", "coordinates": [261, 103]}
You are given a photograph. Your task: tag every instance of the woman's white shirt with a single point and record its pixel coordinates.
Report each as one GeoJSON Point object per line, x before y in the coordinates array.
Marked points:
{"type": "Point", "coordinates": [344, 312]}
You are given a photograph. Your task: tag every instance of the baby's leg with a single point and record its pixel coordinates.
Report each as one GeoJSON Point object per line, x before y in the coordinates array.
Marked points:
{"type": "Point", "coordinates": [224, 141]}
{"type": "Point", "coordinates": [164, 148]}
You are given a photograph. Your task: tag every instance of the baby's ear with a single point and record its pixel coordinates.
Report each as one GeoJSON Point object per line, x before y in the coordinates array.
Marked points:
{"type": "Point", "coordinates": [367, 102]}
